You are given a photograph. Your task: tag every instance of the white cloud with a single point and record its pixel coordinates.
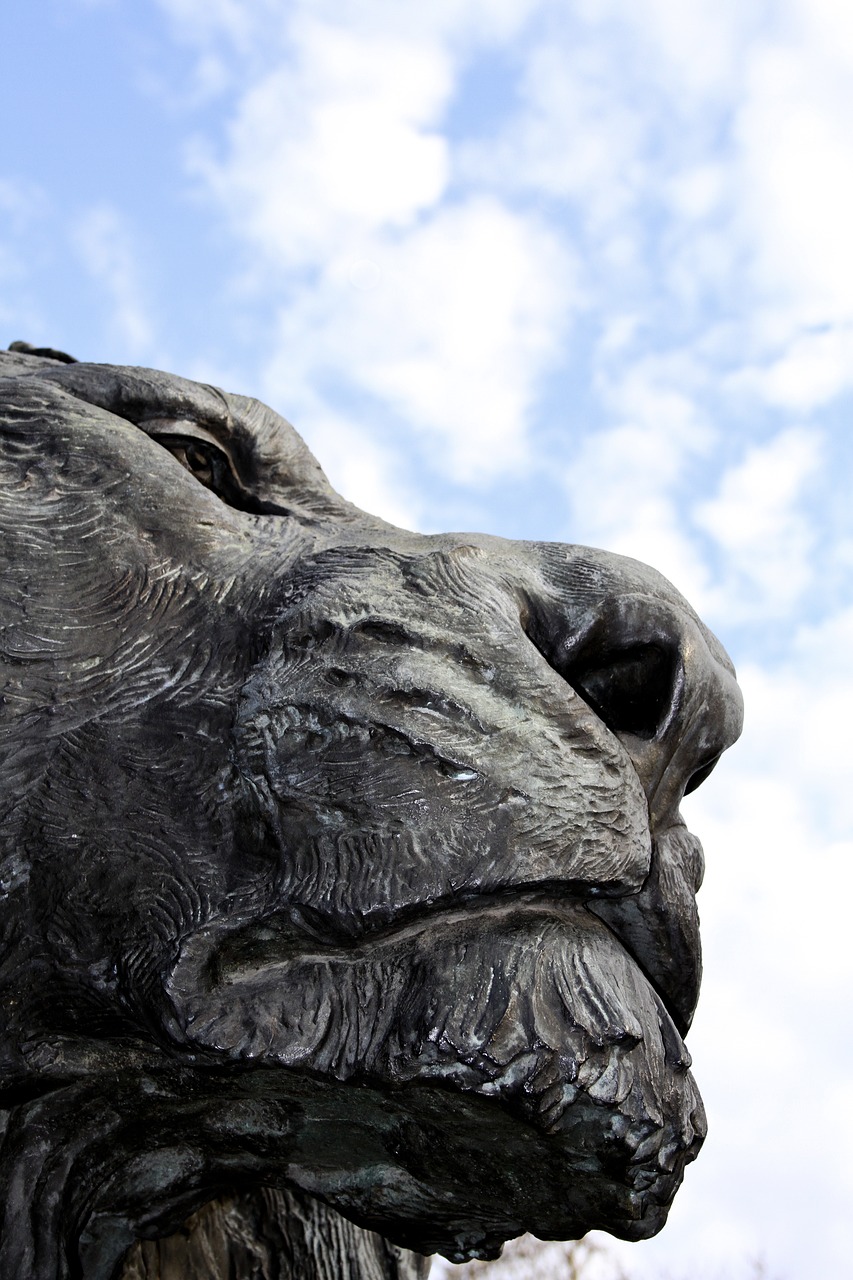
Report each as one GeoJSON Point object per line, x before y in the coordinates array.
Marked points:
{"type": "Point", "coordinates": [21, 202]}
{"type": "Point", "coordinates": [334, 173]}
{"type": "Point", "coordinates": [801, 715]}
{"type": "Point", "coordinates": [796, 159]}
{"type": "Point", "coordinates": [574, 138]}
{"type": "Point", "coordinates": [484, 295]}
{"type": "Point", "coordinates": [813, 369]}
{"type": "Point", "coordinates": [697, 191]}
{"type": "Point", "coordinates": [710, 141]}
{"type": "Point", "coordinates": [448, 326]}
{"type": "Point", "coordinates": [791, 206]}
{"type": "Point", "coordinates": [240, 22]}
{"type": "Point", "coordinates": [335, 143]}
{"type": "Point", "coordinates": [758, 520]}
{"type": "Point", "coordinates": [700, 43]}
{"type": "Point", "coordinates": [633, 486]}
{"type": "Point", "coordinates": [360, 468]}
{"type": "Point", "coordinates": [262, 26]}
{"type": "Point", "coordinates": [620, 500]}
{"type": "Point", "coordinates": [626, 483]}
{"type": "Point", "coordinates": [693, 47]}
{"type": "Point", "coordinates": [105, 246]}
{"type": "Point", "coordinates": [778, 971]}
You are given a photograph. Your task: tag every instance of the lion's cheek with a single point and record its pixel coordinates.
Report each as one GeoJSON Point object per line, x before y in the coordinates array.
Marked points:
{"type": "Point", "coordinates": [361, 820]}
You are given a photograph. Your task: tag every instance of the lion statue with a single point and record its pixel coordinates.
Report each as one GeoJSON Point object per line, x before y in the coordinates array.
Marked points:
{"type": "Point", "coordinates": [336, 859]}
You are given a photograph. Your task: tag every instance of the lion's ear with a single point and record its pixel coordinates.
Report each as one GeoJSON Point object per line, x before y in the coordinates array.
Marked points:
{"type": "Point", "coordinates": [44, 353]}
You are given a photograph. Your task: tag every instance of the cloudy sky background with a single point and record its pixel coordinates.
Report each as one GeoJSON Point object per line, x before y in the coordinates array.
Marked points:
{"type": "Point", "coordinates": [576, 270]}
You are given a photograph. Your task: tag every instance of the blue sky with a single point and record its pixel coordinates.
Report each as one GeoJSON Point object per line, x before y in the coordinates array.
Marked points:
{"type": "Point", "coordinates": [577, 271]}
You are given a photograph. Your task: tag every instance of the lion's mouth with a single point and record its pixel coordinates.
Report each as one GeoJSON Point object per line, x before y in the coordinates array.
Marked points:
{"type": "Point", "coordinates": [523, 995]}
{"type": "Point", "coordinates": [302, 933]}
{"type": "Point", "coordinates": [264, 960]}
{"type": "Point", "coordinates": [657, 927]}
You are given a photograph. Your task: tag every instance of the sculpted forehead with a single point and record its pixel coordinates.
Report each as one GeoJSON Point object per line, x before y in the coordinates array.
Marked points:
{"type": "Point", "coordinates": [276, 466]}
{"type": "Point", "coordinates": [108, 436]}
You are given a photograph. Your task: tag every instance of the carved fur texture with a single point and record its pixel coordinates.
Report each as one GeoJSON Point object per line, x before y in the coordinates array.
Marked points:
{"type": "Point", "coordinates": [334, 857]}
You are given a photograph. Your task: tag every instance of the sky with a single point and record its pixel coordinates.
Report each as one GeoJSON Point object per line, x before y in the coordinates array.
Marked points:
{"type": "Point", "coordinates": [575, 270]}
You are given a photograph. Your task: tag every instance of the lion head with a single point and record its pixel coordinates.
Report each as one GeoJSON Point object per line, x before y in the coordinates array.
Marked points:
{"type": "Point", "coordinates": [333, 856]}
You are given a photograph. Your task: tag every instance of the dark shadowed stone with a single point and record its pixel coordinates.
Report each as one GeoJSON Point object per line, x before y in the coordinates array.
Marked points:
{"type": "Point", "coordinates": [342, 869]}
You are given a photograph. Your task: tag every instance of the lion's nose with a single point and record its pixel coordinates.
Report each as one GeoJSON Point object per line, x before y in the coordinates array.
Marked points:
{"type": "Point", "coordinates": [635, 651]}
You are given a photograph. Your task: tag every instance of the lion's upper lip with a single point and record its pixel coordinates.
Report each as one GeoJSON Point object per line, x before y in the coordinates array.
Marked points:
{"type": "Point", "coordinates": [659, 942]}
{"type": "Point", "coordinates": [301, 930]}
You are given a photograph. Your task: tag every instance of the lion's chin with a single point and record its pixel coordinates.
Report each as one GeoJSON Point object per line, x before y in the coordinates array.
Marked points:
{"type": "Point", "coordinates": [576, 1108]}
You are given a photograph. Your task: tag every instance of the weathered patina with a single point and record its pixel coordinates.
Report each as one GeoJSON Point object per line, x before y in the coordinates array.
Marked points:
{"type": "Point", "coordinates": [336, 859]}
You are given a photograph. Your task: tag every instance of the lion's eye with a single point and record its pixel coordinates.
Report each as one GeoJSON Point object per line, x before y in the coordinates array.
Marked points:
{"type": "Point", "coordinates": [211, 462]}
{"type": "Point", "coordinates": [204, 461]}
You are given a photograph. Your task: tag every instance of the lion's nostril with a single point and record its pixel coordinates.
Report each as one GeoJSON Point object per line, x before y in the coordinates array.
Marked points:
{"type": "Point", "coordinates": [625, 656]}
{"type": "Point", "coordinates": [629, 688]}
{"type": "Point", "coordinates": [699, 776]}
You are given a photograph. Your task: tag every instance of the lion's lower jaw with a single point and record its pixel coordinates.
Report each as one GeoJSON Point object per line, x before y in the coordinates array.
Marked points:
{"type": "Point", "coordinates": [449, 1085]}
{"type": "Point", "coordinates": [538, 1009]}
